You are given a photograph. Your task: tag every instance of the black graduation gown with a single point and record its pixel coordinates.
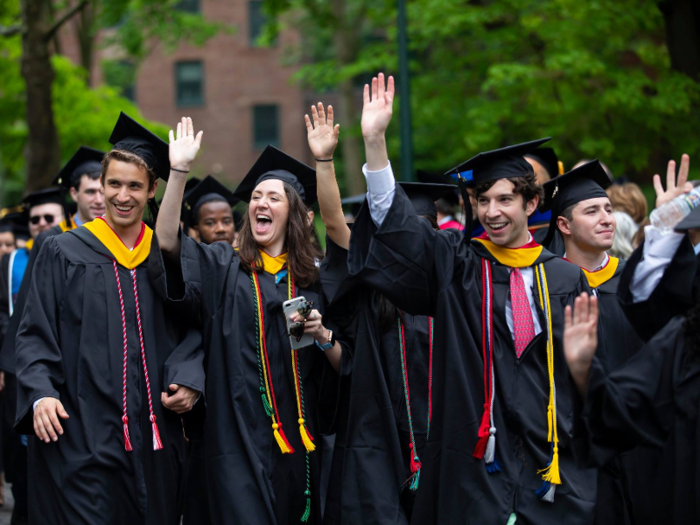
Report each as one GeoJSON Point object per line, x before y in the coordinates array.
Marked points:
{"type": "Point", "coordinates": [249, 479]}
{"type": "Point", "coordinates": [652, 400]}
{"type": "Point", "coordinates": [7, 348]}
{"type": "Point", "coordinates": [674, 295]}
{"type": "Point", "coordinates": [621, 482]}
{"type": "Point", "coordinates": [436, 273]}
{"type": "Point", "coordinates": [70, 346]}
{"type": "Point", "coordinates": [371, 463]}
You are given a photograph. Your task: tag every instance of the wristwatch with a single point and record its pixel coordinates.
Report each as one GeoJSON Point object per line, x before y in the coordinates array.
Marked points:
{"type": "Point", "coordinates": [329, 344]}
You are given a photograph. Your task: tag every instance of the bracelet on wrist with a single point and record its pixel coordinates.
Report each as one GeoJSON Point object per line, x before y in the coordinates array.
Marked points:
{"type": "Point", "coordinates": [324, 160]}
{"type": "Point", "coordinates": [179, 171]}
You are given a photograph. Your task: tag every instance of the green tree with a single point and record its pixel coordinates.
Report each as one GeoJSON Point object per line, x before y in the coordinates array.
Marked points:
{"type": "Point", "coordinates": [596, 76]}
{"type": "Point", "coordinates": [37, 22]}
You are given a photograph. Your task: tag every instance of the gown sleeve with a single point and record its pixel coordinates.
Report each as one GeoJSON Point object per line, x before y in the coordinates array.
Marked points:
{"type": "Point", "coordinates": [672, 296]}
{"type": "Point", "coordinates": [4, 296]}
{"type": "Point", "coordinates": [38, 356]}
{"type": "Point", "coordinates": [405, 259]}
{"type": "Point", "coordinates": [633, 405]}
{"type": "Point", "coordinates": [195, 281]}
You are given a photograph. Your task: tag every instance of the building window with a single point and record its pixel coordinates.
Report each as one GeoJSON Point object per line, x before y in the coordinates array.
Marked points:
{"type": "Point", "coordinates": [256, 23]}
{"type": "Point", "coordinates": [188, 6]}
{"type": "Point", "coordinates": [189, 77]}
{"type": "Point", "coordinates": [266, 126]}
{"type": "Point", "coordinates": [120, 74]}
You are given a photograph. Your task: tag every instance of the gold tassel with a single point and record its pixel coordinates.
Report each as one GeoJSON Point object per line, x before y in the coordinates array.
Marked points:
{"type": "Point", "coordinates": [284, 447]}
{"type": "Point", "coordinates": [561, 167]}
{"type": "Point", "coordinates": [551, 473]}
{"type": "Point", "coordinates": [305, 437]}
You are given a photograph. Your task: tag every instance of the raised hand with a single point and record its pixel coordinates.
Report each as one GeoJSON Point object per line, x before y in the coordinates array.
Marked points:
{"type": "Point", "coordinates": [184, 145]}
{"type": "Point", "coordinates": [377, 109]}
{"type": "Point", "coordinates": [673, 188]}
{"type": "Point", "coordinates": [581, 338]}
{"type": "Point", "coordinates": [322, 135]}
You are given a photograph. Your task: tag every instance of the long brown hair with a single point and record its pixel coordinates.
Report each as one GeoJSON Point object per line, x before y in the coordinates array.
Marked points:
{"type": "Point", "coordinates": [302, 250]}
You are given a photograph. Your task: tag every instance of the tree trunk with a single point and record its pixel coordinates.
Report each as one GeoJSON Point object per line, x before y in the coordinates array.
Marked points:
{"type": "Point", "coordinates": [682, 18]}
{"type": "Point", "coordinates": [42, 152]}
{"type": "Point", "coordinates": [86, 39]}
{"type": "Point", "coordinates": [346, 46]}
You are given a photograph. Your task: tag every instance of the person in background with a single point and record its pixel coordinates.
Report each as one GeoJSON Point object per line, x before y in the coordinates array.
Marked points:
{"type": "Point", "coordinates": [547, 166]}
{"type": "Point", "coordinates": [622, 246]}
{"type": "Point", "coordinates": [628, 197]}
{"type": "Point", "coordinates": [44, 210]}
{"type": "Point", "coordinates": [446, 205]}
{"type": "Point", "coordinates": [209, 205]}
{"type": "Point", "coordinates": [7, 236]}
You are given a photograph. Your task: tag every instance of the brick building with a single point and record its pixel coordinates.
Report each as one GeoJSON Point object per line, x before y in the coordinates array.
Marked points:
{"type": "Point", "coordinates": [239, 93]}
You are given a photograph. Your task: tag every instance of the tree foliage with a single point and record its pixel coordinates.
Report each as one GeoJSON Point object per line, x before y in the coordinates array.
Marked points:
{"type": "Point", "coordinates": [596, 76]}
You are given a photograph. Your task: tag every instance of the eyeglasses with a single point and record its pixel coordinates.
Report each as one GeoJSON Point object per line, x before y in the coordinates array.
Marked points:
{"type": "Point", "coordinates": [47, 217]}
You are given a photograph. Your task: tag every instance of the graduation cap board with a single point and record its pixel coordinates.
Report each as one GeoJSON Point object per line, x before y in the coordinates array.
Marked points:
{"type": "Point", "coordinates": [502, 163]}
{"type": "Point", "coordinates": [274, 164]}
{"type": "Point", "coordinates": [430, 178]}
{"type": "Point", "coordinates": [129, 135]}
{"type": "Point", "coordinates": [588, 181]}
{"type": "Point", "coordinates": [208, 190]}
{"type": "Point", "coordinates": [45, 196]}
{"type": "Point", "coordinates": [85, 160]}
{"type": "Point", "coordinates": [423, 196]}
{"type": "Point", "coordinates": [548, 158]}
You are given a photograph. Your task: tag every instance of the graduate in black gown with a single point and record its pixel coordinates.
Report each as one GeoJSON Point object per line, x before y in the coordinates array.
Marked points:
{"type": "Point", "coordinates": [662, 276]}
{"type": "Point", "coordinates": [261, 398]}
{"type": "Point", "coordinates": [81, 178]}
{"type": "Point", "coordinates": [547, 166]}
{"type": "Point", "coordinates": [582, 216]}
{"type": "Point", "coordinates": [91, 358]}
{"type": "Point", "coordinates": [653, 400]}
{"type": "Point", "coordinates": [208, 211]}
{"type": "Point", "coordinates": [500, 441]}
{"type": "Point", "coordinates": [383, 417]}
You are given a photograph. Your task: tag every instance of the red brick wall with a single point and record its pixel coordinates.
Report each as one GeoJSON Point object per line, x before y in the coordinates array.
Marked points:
{"type": "Point", "coordinates": [236, 77]}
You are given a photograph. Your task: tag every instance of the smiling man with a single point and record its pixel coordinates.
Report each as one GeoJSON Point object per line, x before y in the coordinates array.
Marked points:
{"type": "Point", "coordinates": [500, 450]}
{"type": "Point", "coordinates": [106, 444]}
{"type": "Point", "coordinates": [582, 215]}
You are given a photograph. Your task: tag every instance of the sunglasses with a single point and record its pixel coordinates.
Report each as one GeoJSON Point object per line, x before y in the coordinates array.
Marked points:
{"type": "Point", "coordinates": [47, 217]}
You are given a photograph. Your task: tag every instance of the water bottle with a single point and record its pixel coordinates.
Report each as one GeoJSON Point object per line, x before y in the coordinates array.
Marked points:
{"type": "Point", "coordinates": [670, 214]}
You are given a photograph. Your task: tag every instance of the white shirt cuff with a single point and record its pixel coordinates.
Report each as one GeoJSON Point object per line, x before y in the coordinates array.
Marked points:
{"type": "Point", "coordinates": [379, 182]}
{"type": "Point", "coordinates": [37, 402]}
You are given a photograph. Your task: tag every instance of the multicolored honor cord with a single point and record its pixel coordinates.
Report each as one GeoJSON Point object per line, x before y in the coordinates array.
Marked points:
{"type": "Point", "coordinates": [267, 391]}
{"type": "Point", "coordinates": [415, 460]}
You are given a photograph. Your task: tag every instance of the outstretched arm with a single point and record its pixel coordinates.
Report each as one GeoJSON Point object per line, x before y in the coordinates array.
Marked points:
{"type": "Point", "coordinates": [183, 150]}
{"type": "Point", "coordinates": [323, 139]}
{"type": "Point", "coordinates": [377, 109]}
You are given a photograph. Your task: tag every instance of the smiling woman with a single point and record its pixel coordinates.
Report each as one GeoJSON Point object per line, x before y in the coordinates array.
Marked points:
{"type": "Point", "coordinates": [237, 296]}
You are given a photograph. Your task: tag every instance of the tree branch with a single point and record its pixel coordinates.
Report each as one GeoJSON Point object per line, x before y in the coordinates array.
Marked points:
{"type": "Point", "coordinates": [72, 12]}
{"type": "Point", "coordinates": [10, 30]}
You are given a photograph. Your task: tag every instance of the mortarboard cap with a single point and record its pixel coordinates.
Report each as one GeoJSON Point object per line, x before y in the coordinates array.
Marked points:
{"type": "Point", "coordinates": [129, 135]}
{"type": "Point", "coordinates": [423, 196]}
{"type": "Point", "coordinates": [85, 160]}
{"type": "Point", "coordinates": [588, 181]}
{"type": "Point", "coordinates": [503, 163]}
{"type": "Point", "coordinates": [548, 158]}
{"type": "Point", "coordinates": [46, 196]}
{"type": "Point", "coordinates": [207, 190]}
{"type": "Point", "coordinates": [430, 178]}
{"type": "Point", "coordinates": [275, 164]}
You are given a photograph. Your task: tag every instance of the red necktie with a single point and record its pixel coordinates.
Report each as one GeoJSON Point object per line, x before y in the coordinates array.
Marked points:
{"type": "Point", "coordinates": [523, 327]}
